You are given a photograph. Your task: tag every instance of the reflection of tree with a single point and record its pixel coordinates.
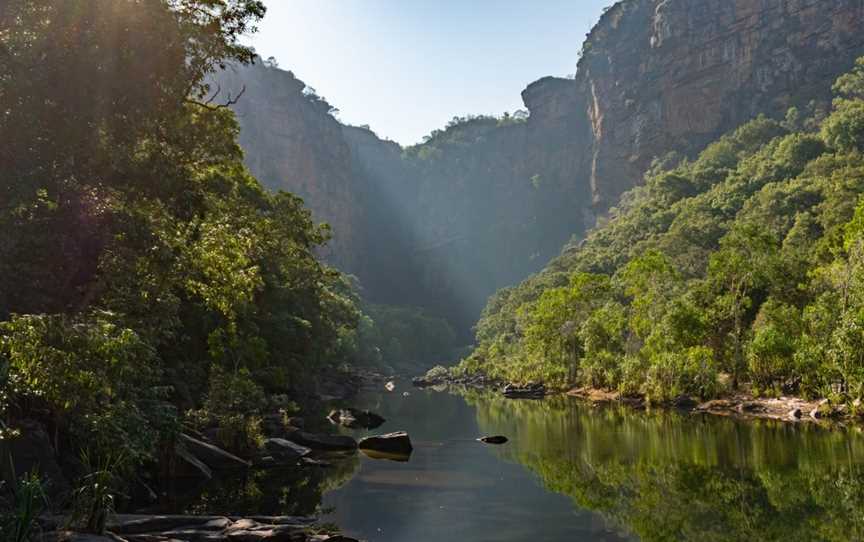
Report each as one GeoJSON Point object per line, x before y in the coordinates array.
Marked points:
{"type": "Point", "coordinates": [664, 476]}
{"type": "Point", "coordinates": [288, 491]}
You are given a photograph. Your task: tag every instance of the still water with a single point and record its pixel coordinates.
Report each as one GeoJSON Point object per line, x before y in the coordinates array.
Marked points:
{"type": "Point", "coordinates": [570, 472]}
{"type": "Point", "coordinates": [576, 472]}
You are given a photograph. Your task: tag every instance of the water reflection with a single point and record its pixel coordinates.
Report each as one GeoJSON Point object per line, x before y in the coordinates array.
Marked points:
{"type": "Point", "coordinates": [571, 472]}
{"type": "Point", "coordinates": [453, 488]}
{"type": "Point", "coordinates": [667, 476]}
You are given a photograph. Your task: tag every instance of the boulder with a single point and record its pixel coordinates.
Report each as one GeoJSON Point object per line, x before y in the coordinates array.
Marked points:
{"type": "Point", "coordinates": [496, 439]}
{"type": "Point", "coordinates": [214, 457]}
{"type": "Point", "coordinates": [355, 418]}
{"type": "Point", "coordinates": [390, 443]}
{"type": "Point", "coordinates": [318, 441]}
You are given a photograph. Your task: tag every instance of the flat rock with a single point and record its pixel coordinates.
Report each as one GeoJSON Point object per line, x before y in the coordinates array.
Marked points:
{"type": "Point", "coordinates": [132, 524]}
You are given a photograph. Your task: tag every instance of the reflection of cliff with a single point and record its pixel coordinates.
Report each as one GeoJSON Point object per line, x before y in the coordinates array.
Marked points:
{"type": "Point", "coordinates": [664, 476]}
{"type": "Point", "coordinates": [483, 204]}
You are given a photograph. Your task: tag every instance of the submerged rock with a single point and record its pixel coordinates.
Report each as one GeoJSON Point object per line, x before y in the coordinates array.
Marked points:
{"type": "Point", "coordinates": [390, 443]}
{"type": "Point", "coordinates": [496, 439]}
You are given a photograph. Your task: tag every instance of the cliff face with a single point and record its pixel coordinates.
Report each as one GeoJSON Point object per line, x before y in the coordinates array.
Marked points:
{"type": "Point", "coordinates": [486, 202]}
{"type": "Point", "coordinates": [291, 143]}
{"type": "Point", "coordinates": [661, 75]}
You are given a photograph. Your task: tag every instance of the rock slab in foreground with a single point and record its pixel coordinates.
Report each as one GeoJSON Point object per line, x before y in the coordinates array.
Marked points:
{"type": "Point", "coordinates": [398, 443]}
{"type": "Point", "coordinates": [133, 528]}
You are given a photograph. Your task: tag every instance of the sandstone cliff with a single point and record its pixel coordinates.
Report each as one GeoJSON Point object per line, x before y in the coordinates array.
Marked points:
{"type": "Point", "coordinates": [661, 75]}
{"type": "Point", "coordinates": [292, 143]}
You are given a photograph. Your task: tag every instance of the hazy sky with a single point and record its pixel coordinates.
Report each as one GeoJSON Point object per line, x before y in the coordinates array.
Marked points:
{"type": "Point", "coordinates": [406, 67]}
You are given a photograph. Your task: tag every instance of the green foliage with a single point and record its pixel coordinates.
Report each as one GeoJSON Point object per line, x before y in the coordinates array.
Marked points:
{"type": "Point", "coordinates": [661, 476]}
{"type": "Point", "coordinates": [93, 500]}
{"type": "Point", "coordinates": [745, 262]}
{"type": "Point", "coordinates": [843, 130]}
{"type": "Point", "coordinates": [407, 336]}
{"type": "Point", "coordinates": [142, 269]}
{"type": "Point", "coordinates": [19, 518]}
{"type": "Point", "coordinates": [95, 376]}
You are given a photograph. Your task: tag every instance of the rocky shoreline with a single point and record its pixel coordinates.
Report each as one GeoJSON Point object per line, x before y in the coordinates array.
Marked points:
{"type": "Point", "coordinates": [198, 456]}
{"type": "Point", "coordinates": [740, 405]}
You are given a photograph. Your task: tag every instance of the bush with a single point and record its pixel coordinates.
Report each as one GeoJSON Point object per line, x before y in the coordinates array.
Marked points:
{"type": "Point", "coordinates": [689, 372]}
{"type": "Point", "coordinates": [19, 519]}
{"type": "Point", "coordinates": [98, 378]}
{"type": "Point", "coordinates": [234, 403]}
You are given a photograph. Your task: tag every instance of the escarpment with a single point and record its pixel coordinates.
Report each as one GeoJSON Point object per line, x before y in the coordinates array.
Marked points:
{"type": "Point", "coordinates": [486, 202]}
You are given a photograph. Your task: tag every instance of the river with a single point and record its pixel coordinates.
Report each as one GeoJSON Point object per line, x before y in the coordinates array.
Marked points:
{"type": "Point", "coordinates": [571, 471]}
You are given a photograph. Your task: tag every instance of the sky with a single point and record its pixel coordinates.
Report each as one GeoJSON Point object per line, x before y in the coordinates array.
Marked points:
{"type": "Point", "coordinates": [406, 67]}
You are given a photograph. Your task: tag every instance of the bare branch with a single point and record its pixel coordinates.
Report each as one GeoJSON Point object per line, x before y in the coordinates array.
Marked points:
{"type": "Point", "coordinates": [228, 103]}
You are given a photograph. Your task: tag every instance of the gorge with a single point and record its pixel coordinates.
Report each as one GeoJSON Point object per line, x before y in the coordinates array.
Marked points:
{"type": "Point", "coordinates": [486, 202]}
